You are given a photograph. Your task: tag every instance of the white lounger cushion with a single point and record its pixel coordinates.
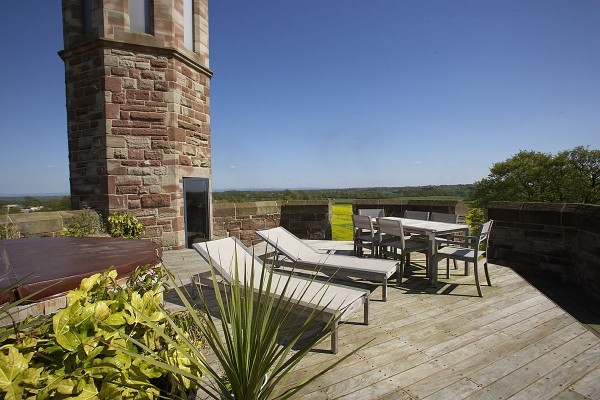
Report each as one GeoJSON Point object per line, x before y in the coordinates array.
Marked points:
{"type": "Point", "coordinates": [298, 251]}
{"type": "Point", "coordinates": [303, 256]}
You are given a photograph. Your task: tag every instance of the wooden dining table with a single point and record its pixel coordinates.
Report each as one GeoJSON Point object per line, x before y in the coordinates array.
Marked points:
{"type": "Point", "coordinates": [430, 229]}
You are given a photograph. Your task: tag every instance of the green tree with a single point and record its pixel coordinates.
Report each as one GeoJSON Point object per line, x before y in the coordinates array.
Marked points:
{"type": "Point", "coordinates": [59, 203]}
{"type": "Point", "coordinates": [571, 176]}
{"type": "Point", "coordinates": [582, 176]}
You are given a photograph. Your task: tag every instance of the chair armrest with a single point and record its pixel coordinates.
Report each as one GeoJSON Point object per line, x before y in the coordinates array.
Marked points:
{"type": "Point", "coordinates": [464, 241]}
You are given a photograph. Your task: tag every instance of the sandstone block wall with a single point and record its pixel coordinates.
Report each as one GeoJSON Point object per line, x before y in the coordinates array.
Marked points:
{"type": "Point", "coordinates": [305, 219]}
{"type": "Point", "coordinates": [557, 241]}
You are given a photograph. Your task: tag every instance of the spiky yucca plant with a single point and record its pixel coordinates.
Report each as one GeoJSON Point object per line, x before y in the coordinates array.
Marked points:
{"type": "Point", "coordinates": [253, 358]}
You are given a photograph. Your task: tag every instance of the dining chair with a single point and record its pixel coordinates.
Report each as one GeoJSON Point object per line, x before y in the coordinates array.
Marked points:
{"type": "Point", "coordinates": [423, 215]}
{"type": "Point", "coordinates": [470, 249]}
{"type": "Point", "coordinates": [450, 219]}
{"type": "Point", "coordinates": [365, 236]}
{"type": "Point", "coordinates": [395, 244]}
{"type": "Point", "coordinates": [443, 217]}
{"type": "Point", "coordinates": [372, 212]}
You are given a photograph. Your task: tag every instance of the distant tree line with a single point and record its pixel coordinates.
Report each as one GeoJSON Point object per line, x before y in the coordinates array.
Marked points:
{"type": "Point", "coordinates": [570, 176]}
{"type": "Point", "coordinates": [50, 203]}
{"type": "Point", "coordinates": [56, 203]}
{"type": "Point", "coordinates": [442, 191]}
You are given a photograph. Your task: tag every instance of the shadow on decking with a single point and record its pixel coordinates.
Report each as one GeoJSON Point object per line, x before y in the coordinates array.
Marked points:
{"type": "Point", "coordinates": [571, 299]}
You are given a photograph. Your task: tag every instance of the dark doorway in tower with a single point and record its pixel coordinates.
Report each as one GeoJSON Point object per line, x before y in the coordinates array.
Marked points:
{"type": "Point", "coordinates": [195, 194]}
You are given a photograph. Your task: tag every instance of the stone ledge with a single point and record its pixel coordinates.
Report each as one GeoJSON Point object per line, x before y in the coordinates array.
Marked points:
{"type": "Point", "coordinates": [581, 216]}
{"type": "Point", "coordinates": [36, 224]}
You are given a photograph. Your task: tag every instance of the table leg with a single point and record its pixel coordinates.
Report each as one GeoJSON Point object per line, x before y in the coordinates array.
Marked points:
{"type": "Point", "coordinates": [431, 265]}
{"type": "Point", "coordinates": [466, 233]}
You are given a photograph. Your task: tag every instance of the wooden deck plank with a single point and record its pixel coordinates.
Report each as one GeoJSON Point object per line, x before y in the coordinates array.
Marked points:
{"type": "Point", "coordinates": [358, 372]}
{"type": "Point", "coordinates": [561, 377]}
{"type": "Point", "coordinates": [381, 344]}
{"type": "Point", "coordinates": [569, 395]}
{"type": "Point", "coordinates": [440, 356]}
{"type": "Point", "coordinates": [483, 355]}
{"type": "Point", "coordinates": [382, 389]}
{"type": "Point", "coordinates": [446, 343]}
{"type": "Point", "coordinates": [398, 395]}
{"type": "Point", "coordinates": [493, 369]}
{"type": "Point", "coordinates": [381, 368]}
{"type": "Point", "coordinates": [414, 328]}
{"type": "Point", "coordinates": [416, 340]}
{"type": "Point", "coordinates": [530, 372]}
{"type": "Point", "coordinates": [588, 386]}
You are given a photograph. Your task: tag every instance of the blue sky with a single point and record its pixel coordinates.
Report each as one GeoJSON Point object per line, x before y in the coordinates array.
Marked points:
{"type": "Point", "coordinates": [341, 93]}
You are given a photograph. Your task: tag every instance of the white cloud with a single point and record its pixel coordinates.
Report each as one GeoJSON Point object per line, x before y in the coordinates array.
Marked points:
{"type": "Point", "coordinates": [418, 162]}
{"type": "Point", "coordinates": [232, 167]}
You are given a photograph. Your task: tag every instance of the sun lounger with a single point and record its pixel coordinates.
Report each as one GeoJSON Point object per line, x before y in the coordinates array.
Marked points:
{"type": "Point", "coordinates": [300, 255]}
{"type": "Point", "coordinates": [334, 300]}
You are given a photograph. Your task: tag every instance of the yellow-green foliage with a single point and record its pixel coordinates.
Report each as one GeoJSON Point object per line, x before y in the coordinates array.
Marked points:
{"type": "Point", "coordinates": [341, 222]}
{"type": "Point", "coordinates": [88, 349]}
{"type": "Point", "coordinates": [475, 218]}
{"type": "Point", "coordinates": [125, 226]}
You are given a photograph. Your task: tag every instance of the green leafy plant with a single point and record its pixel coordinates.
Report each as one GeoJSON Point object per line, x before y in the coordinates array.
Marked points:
{"type": "Point", "coordinates": [475, 218]}
{"type": "Point", "coordinates": [125, 226]}
{"type": "Point", "coordinates": [86, 223]}
{"type": "Point", "coordinates": [252, 340]}
{"type": "Point", "coordinates": [78, 352]}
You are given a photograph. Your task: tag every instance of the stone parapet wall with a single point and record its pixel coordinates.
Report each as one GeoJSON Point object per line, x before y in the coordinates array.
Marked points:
{"type": "Point", "coordinates": [40, 224]}
{"type": "Point", "coordinates": [397, 207]}
{"type": "Point", "coordinates": [557, 241]}
{"type": "Point", "coordinates": [305, 219]}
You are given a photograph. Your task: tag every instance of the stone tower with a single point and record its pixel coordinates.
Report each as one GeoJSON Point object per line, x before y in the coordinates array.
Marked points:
{"type": "Point", "coordinates": [137, 87]}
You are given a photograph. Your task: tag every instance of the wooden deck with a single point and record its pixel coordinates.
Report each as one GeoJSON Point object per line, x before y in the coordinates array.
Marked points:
{"type": "Point", "coordinates": [514, 343]}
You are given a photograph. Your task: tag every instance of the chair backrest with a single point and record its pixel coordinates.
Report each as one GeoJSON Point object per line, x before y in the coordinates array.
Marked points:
{"type": "Point", "coordinates": [442, 217]}
{"type": "Point", "coordinates": [371, 212]}
{"type": "Point", "coordinates": [485, 230]}
{"type": "Point", "coordinates": [423, 215]}
{"type": "Point", "coordinates": [392, 227]}
{"type": "Point", "coordinates": [484, 234]}
{"type": "Point", "coordinates": [363, 224]}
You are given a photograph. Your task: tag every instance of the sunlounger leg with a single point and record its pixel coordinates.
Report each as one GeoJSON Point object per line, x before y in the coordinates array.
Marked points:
{"type": "Point", "coordinates": [366, 309]}
{"type": "Point", "coordinates": [334, 337]}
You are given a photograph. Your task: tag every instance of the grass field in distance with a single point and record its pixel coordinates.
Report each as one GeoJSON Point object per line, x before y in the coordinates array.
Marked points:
{"type": "Point", "coordinates": [341, 222]}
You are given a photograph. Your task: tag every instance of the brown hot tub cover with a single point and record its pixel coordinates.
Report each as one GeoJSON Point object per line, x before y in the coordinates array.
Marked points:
{"type": "Point", "coordinates": [57, 265]}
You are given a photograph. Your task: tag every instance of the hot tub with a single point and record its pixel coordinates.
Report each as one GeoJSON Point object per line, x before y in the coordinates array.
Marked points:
{"type": "Point", "coordinates": [46, 268]}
